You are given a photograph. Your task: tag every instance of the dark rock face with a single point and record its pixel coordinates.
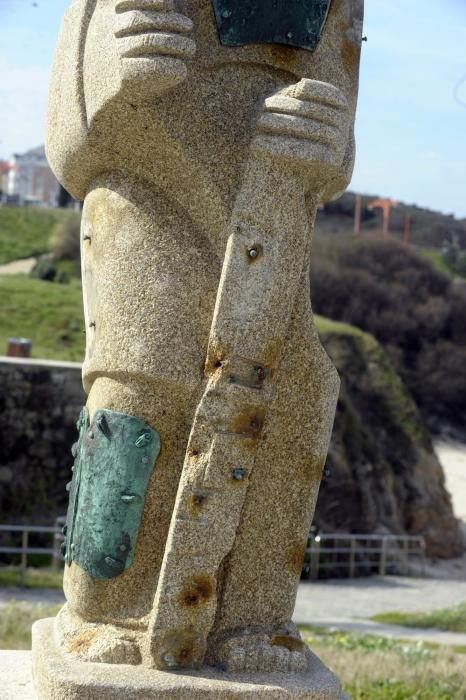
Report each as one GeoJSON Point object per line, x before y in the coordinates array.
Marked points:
{"type": "Point", "coordinates": [39, 406]}
{"type": "Point", "coordinates": [382, 474]}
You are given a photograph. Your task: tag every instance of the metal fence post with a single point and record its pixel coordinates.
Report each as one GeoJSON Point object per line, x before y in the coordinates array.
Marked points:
{"type": "Point", "coordinates": [406, 557]}
{"type": "Point", "coordinates": [315, 557]}
{"type": "Point", "coordinates": [24, 556]}
{"type": "Point", "coordinates": [383, 557]}
{"type": "Point", "coordinates": [352, 561]}
{"type": "Point", "coordinates": [56, 552]}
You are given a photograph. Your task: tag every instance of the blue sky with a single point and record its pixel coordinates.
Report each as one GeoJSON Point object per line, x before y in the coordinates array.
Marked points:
{"type": "Point", "coordinates": [411, 127]}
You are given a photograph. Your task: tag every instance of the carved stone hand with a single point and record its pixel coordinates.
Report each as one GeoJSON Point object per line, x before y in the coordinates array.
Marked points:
{"type": "Point", "coordinates": [307, 127]}
{"type": "Point", "coordinates": [153, 38]}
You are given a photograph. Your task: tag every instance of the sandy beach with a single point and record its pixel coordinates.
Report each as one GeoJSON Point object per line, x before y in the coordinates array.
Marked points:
{"type": "Point", "coordinates": [452, 456]}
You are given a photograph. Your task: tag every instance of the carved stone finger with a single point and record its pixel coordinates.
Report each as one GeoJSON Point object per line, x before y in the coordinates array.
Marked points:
{"type": "Point", "coordinates": [317, 111]}
{"type": "Point", "coordinates": [139, 21]}
{"type": "Point", "coordinates": [289, 125]}
{"type": "Point", "coordinates": [157, 43]}
{"type": "Point", "coordinates": [162, 5]}
{"type": "Point", "coordinates": [317, 91]}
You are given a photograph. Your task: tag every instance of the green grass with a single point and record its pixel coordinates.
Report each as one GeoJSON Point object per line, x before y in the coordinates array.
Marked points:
{"type": "Point", "coordinates": [49, 314]}
{"type": "Point", "coordinates": [16, 620]}
{"type": "Point", "coordinates": [393, 689]}
{"type": "Point", "coordinates": [449, 619]}
{"type": "Point", "coordinates": [10, 576]}
{"type": "Point", "coordinates": [437, 259]}
{"type": "Point", "coordinates": [25, 232]}
{"type": "Point", "coordinates": [376, 668]}
{"type": "Point", "coordinates": [325, 326]}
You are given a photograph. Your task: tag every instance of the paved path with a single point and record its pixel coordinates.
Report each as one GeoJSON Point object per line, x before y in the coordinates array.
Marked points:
{"type": "Point", "coordinates": [363, 598]}
{"type": "Point", "coordinates": [347, 605]}
{"type": "Point", "coordinates": [18, 267]}
{"type": "Point", "coordinates": [411, 634]}
{"type": "Point", "coordinates": [34, 596]}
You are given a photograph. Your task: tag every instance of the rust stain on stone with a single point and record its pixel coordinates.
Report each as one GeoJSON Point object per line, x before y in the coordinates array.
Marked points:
{"type": "Point", "coordinates": [285, 57]}
{"type": "Point", "coordinates": [350, 55]}
{"type": "Point", "coordinates": [336, 7]}
{"type": "Point", "coordinates": [199, 590]}
{"type": "Point", "coordinates": [249, 422]}
{"type": "Point", "coordinates": [82, 642]}
{"type": "Point", "coordinates": [272, 354]}
{"type": "Point", "coordinates": [290, 643]}
{"type": "Point", "coordinates": [196, 503]}
{"type": "Point", "coordinates": [183, 649]}
{"type": "Point", "coordinates": [296, 558]}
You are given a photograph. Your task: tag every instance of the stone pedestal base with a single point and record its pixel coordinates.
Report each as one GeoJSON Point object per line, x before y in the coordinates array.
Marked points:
{"type": "Point", "coordinates": [59, 676]}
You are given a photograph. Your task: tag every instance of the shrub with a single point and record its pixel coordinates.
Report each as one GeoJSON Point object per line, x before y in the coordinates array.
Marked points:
{"type": "Point", "coordinates": [415, 311]}
{"type": "Point", "coordinates": [44, 269]}
{"type": "Point", "coordinates": [65, 241]}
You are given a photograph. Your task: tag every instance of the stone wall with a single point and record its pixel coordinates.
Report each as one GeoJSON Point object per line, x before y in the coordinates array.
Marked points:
{"type": "Point", "coordinates": [40, 403]}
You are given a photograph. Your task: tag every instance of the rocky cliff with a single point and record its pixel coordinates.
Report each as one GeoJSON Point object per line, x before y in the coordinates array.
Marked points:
{"type": "Point", "coordinates": [382, 474]}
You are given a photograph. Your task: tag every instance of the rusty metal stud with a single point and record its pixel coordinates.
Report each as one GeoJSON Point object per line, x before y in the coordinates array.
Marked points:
{"type": "Point", "coordinates": [92, 324]}
{"type": "Point", "coordinates": [86, 238]}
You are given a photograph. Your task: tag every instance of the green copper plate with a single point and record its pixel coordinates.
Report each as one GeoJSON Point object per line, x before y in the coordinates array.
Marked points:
{"type": "Point", "coordinates": [114, 458]}
{"type": "Point", "coordinates": [292, 22]}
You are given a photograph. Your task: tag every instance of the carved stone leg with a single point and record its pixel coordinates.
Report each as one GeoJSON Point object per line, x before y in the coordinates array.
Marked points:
{"type": "Point", "coordinates": [140, 364]}
{"type": "Point", "coordinates": [263, 570]}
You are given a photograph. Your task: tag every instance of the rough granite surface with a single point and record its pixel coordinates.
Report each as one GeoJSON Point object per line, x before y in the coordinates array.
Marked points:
{"type": "Point", "coordinates": [67, 678]}
{"type": "Point", "coordinates": [201, 168]}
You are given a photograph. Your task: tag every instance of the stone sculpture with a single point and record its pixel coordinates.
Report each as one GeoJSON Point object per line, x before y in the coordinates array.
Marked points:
{"type": "Point", "coordinates": [202, 136]}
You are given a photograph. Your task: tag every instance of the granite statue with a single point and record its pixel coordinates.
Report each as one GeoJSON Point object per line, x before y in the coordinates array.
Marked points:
{"type": "Point", "coordinates": [202, 136]}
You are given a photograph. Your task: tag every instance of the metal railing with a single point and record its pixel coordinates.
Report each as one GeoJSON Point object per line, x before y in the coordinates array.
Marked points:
{"type": "Point", "coordinates": [326, 554]}
{"type": "Point", "coordinates": [25, 550]}
{"type": "Point", "coordinates": [353, 555]}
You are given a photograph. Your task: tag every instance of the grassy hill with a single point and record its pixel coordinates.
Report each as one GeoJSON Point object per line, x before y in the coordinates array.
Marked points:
{"type": "Point", "coordinates": [25, 232]}
{"type": "Point", "coordinates": [49, 314]}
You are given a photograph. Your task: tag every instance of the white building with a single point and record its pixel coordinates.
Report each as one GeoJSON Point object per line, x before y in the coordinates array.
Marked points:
{"type": "Point", "coordinates": [4, 170]}
{"type": "Point", "coordinates": [31, 179]}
